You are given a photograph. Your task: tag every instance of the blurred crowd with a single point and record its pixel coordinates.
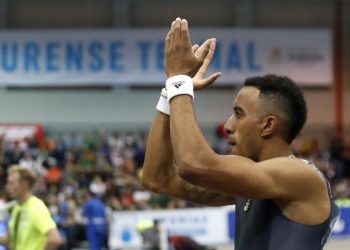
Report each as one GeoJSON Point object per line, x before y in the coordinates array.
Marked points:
{"type": "Point", "coordinates": [71, 166]}
{"type": "Point", "coordinates": [109, 165]}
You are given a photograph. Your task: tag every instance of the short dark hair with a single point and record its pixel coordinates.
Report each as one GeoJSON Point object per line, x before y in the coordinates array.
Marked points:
{"type": "Point", "coordinates": [285, 98]}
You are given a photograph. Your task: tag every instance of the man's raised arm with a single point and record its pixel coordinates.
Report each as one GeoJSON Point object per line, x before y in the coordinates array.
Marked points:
{"type": "Point", "coordinates": [159, 172]}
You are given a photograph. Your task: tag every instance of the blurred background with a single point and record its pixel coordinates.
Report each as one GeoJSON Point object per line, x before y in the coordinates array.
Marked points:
{"type": "Point", "coordinates": [79, 81]}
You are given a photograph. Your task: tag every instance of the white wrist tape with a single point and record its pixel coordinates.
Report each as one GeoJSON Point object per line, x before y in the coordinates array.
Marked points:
{"type": "Point", "coordinates": [163, 105]}
{"type": "Point", "coordinates": [179, 85]}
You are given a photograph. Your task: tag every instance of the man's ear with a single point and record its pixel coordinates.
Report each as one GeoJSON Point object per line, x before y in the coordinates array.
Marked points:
{"type": "Point", "coordinates": [268, 126]}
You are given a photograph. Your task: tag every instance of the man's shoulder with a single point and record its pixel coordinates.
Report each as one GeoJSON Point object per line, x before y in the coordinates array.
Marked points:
{"type": "Point", "coordinates": [295, 173]}
{"type": "Point", "coordinates": [36, 204]}
{"type": "Point", "coordinates": [35, 200]}
{"type": "Point", "coordinates": [290, 163]}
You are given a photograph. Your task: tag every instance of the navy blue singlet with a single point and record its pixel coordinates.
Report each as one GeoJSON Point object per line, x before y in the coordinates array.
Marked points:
{"type": "Point", "coordinates": [264, 227]}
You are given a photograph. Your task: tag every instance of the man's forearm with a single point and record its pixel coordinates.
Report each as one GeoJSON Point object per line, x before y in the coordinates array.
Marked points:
{"type": "Point", "coordinates": [158, 165]}
{"type": "Point", "coordinates": [187, 139]}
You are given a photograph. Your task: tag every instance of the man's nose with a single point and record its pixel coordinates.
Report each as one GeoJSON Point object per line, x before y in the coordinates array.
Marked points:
{"type": "Point", "coordinates": [229, 125]}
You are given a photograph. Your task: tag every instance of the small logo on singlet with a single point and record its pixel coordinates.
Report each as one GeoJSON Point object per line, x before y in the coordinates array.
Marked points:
{"type": "Point", "coordinates": [178, 84]}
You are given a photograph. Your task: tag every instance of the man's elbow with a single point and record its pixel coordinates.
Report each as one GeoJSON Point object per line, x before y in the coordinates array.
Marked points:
{"type": "Point", "coordinates": [188, 169]}
{"type": "Point", "coordinates": [55, 242]}
{"type": "Point", "coordinates": [54, 239]}
{"type": "Point", "coordinates": [151, 185]}
{"type": "Point", "coordinates": [191, 167]}
{"type": "Point", "coordinates": [59, 241]}
{"type": "Point", "coordinates": [146, 183]}
{"type": "Point", "coordinates": [146, 176]}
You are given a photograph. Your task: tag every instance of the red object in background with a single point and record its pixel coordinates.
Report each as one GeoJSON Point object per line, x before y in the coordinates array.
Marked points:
{"type": "Point", "coordinates": [22, 132]}
{"type": "Point", "coordinates": [54, 175]}
{"type": "Point", "coordinates": [220, 130]}
{"type": "Point", "coordinates": [184, 243]}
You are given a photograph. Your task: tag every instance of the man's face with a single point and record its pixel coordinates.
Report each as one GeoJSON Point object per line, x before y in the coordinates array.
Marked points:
{"type": "Point", "coordinates": [242, 128]}
{"type": "Point", "coordinates": [14, 186]}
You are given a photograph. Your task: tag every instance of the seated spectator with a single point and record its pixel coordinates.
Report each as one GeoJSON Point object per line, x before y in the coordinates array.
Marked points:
{"type": "Point", "coordinates": [54, 174]}
{"type": "Point", "coordinates": [98, 186]}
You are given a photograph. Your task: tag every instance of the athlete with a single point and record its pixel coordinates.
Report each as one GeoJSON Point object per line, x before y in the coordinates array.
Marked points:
{"type": "Point", "coordinates": [31, 226]}
{"type": "Point", "coordinates": [282, 202]}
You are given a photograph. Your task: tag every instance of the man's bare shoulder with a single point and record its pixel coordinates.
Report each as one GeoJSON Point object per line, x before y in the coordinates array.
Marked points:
{"type": "Point", "coordinates": [301, 188]}
{"type": "Point", "coordinates": [290, 164]}
{"type": "Point", "coordinates": [295, 175]}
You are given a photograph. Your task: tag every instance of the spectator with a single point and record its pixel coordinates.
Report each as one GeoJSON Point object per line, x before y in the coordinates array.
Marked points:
{"type": "Point", "coordinates": [97, 186]}
{"type": "Point", "coordinates": [97, 228]}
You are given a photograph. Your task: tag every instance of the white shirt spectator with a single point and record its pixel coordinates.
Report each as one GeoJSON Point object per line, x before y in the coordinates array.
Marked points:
{"type": "Point", "coordinates": [97, 186]}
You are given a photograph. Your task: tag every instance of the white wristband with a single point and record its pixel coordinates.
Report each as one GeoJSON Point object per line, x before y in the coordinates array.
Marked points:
{"type": "Point", "coordinates": [163, 105]}
{"type": "Point", "coordinates": [179, 85]}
